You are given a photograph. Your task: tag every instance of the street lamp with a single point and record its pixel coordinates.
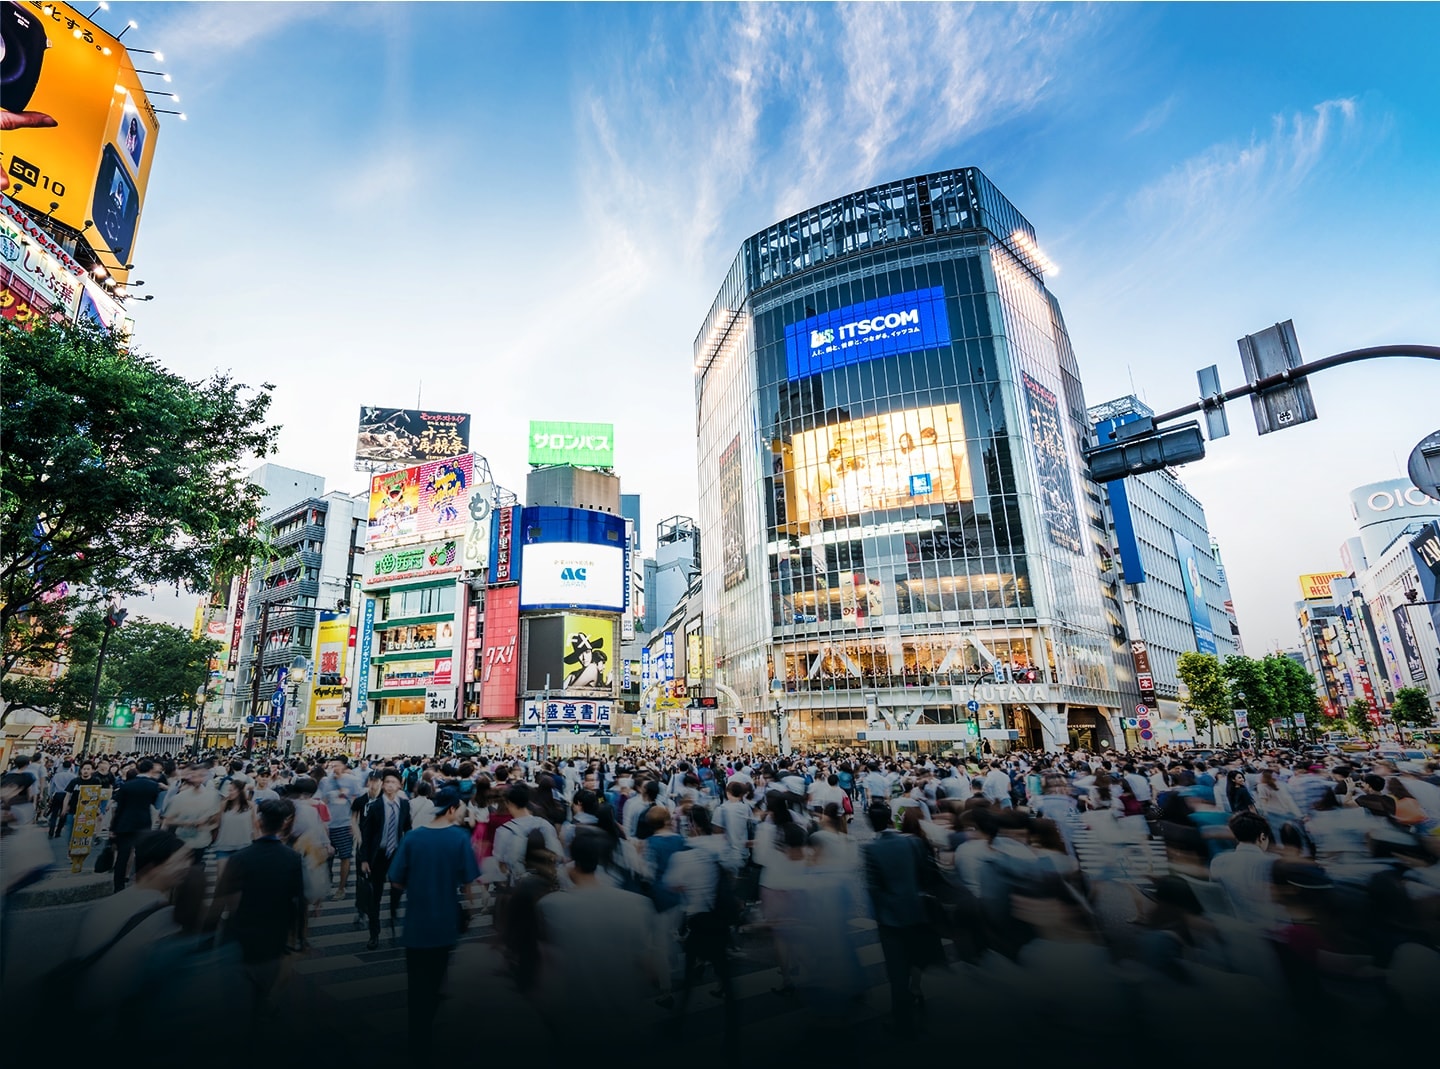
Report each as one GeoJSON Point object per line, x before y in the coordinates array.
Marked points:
{"type": "Point", "coordinates": [114, 617]}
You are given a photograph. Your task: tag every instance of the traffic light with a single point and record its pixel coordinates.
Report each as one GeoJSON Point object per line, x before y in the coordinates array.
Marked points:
{"type": "Point", "coordinates": [972, 728]}
{"type": "Point", "coordinates": [123, 717]}
{"type": "Point", "coordinates": [1140, 448]}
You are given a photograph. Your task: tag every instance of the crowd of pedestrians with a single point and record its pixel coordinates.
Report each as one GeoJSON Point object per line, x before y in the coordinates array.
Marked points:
{"type": "Point", "coordinates": [1067, 893]}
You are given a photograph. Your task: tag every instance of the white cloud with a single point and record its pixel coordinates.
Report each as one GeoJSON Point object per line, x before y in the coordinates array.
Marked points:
{"type": "Point", "coordinates": [1218, 194]}
{"type": "Point", "coordinates": [203, 32]}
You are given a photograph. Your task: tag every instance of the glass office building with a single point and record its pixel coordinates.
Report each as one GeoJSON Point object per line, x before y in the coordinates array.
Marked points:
{"type": "Point", "coordinates": [889, 421]}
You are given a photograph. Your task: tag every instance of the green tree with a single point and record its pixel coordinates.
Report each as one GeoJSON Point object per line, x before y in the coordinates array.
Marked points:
{"type": "Point", "coordinates": [1294, 690]}
{"type": "Point", "coordinates": [1412, 708]}
{"type": "Point", "coordinates": [1209, 700]}
{"type": "Point", "coordinates": [1251, 690]}
{"type": "Point", "coordinates": [1358, 716]}
{"type": "Point", "coordinates": [67, 696]}
{"type": "Point", "coordinates": [116, 475]}
{"type": "Point", "coordinates": [159, 665]}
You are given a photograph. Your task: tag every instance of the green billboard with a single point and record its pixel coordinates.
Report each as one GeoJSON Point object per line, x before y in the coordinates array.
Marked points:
{"type": "Point", "coordinates": [586, 445]}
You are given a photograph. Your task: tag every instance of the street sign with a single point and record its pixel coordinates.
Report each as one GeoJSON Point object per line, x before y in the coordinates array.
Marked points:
{"type": "Point", "coordinates": [1424, 466]}
{"type": "Point", "coordinates": [1132, 722]}
{"type": "Point", "coordinates": [1274, 351]}
{"type": "Point", "coordinates": [1246, 734]}
{"type": "Point", "coordinates": [1216, 423]}
{"type": "Point", "coordinates": [1142, 710]}
{"type": "Point", "coordinates": [1147, 735]}
{"type": "Point", "coordinates": [973, 705]}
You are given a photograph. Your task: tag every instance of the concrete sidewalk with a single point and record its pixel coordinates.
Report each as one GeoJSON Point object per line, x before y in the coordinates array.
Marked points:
{"type": "Point", "coordinates": [60, 886]}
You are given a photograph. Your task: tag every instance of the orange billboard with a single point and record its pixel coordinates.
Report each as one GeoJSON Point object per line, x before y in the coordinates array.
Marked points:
{"type": "Point", "coordinates": [1316, 586]}
{"type": "Point", "coordinates": [79, 128]}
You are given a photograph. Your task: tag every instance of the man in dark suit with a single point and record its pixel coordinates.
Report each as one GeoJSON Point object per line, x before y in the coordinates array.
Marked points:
{"type": "Point", "coordinates": [130, 814]}
{"type": "Point", "coordinates": [262, 893]}
{"type": "Point", "coordinates": [385, 822]}
{"type": "Point", "coordinates": [894, 876]}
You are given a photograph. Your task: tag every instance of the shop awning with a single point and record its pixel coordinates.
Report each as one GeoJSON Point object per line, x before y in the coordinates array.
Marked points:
{"type": "Point", "coordinates": [353, 729]}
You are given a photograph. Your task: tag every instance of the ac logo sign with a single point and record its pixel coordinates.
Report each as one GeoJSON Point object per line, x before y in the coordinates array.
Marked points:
{"type": "Point", "coordinates": [572, 575]}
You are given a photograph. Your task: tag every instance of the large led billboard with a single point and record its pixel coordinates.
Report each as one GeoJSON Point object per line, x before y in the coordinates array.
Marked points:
{"type": "Point", "coordinates": [79, 131]}
{"type": "Point", "coordinates": [886, 326]}
{"type": "Point", "coordinates": [912, 457]}
{"type": "Point", "coordinates": [586, 445]}
{"type": "Point", "coordinates": [575, 575]}
{"type": "Point", "coordinates": [572, 652]}
{"type": "Point", "coordinates": [397, 437]}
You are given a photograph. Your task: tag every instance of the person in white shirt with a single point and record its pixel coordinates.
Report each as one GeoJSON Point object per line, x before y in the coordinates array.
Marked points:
{"type": "Point", "coordinates": [1246, 873]}
{"type": "Point", "coordinates": [997, 786]}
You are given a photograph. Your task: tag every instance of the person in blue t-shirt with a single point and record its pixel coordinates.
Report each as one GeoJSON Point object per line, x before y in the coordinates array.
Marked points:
{"type": "Point", "coordinates": [433, 865]}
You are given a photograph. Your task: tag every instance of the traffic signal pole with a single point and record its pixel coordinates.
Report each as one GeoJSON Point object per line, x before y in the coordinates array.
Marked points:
{"type": "Point", "coordinates": [1374, 352]}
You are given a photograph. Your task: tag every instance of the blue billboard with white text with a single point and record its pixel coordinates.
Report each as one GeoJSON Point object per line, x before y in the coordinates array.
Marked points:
{"type": "Point", "coordinates": [885, 326]}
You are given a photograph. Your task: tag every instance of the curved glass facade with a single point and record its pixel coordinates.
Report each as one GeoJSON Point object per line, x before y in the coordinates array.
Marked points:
{"type": "Point", "coordinates": [889, 424]}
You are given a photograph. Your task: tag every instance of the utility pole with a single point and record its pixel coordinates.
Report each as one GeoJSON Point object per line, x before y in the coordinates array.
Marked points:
{"type": "Point", "coordinates": [545, 722]}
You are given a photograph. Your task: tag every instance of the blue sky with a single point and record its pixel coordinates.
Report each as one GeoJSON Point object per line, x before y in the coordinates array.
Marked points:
{"type": "Point", "coordinates": [525, 211]}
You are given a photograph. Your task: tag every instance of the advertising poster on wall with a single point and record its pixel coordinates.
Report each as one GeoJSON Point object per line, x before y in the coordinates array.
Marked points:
{"type": "Point", "coordinates": [694, 654]}
{"type": "Point", "coordinates": [1055, 487]}
{"type": "Point", "coordinates": [734, 551]}
{"type": "Point", "coordinates": [1194, 595]}
{"type": "Point", "coordinates": [401, 437]}
{"type": "Point", "coordinates": [89, 149]}
{"type": "Point", "coordinates": [424, 501]}
{"type": "Point", "coordinates": [327, 697]}
{"type": "Point", "coordinates": [1425, 548]}
{"type": "Point", "coordinates": [394, 506]}
{"type": "Point", "coordinates": [1409, 645]}
{"type": "Point", "coordinates": [445, 488]}
{"type": "Point", "coordinates": [573, 651]}
{"type": "Point", "coordinates": [912, 457]}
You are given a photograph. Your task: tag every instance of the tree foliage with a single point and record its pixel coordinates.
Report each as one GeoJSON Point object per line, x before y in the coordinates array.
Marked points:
{"type": "Point", "coordinates": [159, 665]}
{"type": "Point", "coordinates": [1293, 688]}
{"type": "Point", "coordinates": [117, 475]}
{"type": "Point", "coordinates": [1251, 689]}
{"type": "Point", "coordinates": [1412, 708]}
{"type": "Point", "coordinates": [1358, 716]}
{"type": "Point", "coordinates": [1209, 695]}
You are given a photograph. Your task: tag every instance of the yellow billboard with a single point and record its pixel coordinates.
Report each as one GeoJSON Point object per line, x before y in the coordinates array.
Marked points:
{"type": "Point", "coordinates": [1316, 586]}
{"type": "Point", "coordinates": [79, 130]}
{"type": "Point", "coordinates": [327, 697]}
{"type": "Point", "coordinates": [912, 457]}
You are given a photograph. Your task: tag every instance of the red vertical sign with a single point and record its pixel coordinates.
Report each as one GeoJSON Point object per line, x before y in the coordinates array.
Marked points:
{"type": "Point", "coordinates": [500, 654]}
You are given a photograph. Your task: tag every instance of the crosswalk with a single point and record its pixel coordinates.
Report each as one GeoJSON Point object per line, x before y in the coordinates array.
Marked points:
{"type": "Point", "coordinates": [352, 983]}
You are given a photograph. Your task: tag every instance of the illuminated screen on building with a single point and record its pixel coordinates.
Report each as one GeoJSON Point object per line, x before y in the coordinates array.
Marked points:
{"type": "Point", "coordinates": [911, 457]}
{"type": "Point", "coordinates": [886, 326]}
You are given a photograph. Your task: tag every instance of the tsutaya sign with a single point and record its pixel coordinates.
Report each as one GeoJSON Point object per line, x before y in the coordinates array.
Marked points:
{"type": "Point", "coordinates": [1006, 693]}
